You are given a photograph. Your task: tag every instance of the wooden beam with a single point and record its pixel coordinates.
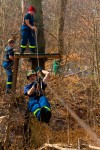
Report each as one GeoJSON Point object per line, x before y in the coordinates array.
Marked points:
{"type": "Point", "coordinates": [40, 55]}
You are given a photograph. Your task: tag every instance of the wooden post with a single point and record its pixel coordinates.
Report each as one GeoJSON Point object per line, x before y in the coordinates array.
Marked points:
{"type": "Point", "coordinates": [79, 144]}
{"type": "Point", "coordinates": [16, 61]}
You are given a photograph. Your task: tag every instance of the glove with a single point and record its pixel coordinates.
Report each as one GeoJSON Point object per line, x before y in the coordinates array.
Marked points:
{"type": "Point", "coordinates": [34, 28]}
{"type": "Point", "coordinates": [35, 83]}
{"type": "Point", "coordinates": [38, 69]}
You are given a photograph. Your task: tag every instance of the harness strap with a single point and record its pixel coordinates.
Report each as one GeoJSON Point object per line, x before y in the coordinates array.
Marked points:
{"type": "Point", "coordinates": [37, 49]}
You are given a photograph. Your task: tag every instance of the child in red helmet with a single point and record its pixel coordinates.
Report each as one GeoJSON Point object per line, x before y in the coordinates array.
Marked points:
{"type": "Point", "coordinates": [28, 31]}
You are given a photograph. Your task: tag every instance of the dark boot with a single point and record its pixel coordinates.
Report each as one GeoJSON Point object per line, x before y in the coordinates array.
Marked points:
{"type": "Point", "coordinates": [45, 115]}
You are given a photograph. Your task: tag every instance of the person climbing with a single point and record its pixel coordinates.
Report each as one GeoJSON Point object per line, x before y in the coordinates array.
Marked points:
{"type": "Point", "coordinates": [8, 63]}
{"type": "Point", "coordinates": [38, 103]}
{"type": "Point", "coordinates": [28, 30]}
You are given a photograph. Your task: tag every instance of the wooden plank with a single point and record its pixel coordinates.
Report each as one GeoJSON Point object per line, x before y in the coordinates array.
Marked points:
{"type": "Point", "coordinates": [40, 55]}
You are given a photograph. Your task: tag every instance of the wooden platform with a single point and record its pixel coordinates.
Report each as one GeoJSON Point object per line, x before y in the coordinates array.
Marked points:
{"type": "Point", "coordinates": [34, 55]}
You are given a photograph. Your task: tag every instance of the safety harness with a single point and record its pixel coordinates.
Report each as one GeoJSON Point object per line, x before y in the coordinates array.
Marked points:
{"type": "Point", "coordinates": [39, 88]}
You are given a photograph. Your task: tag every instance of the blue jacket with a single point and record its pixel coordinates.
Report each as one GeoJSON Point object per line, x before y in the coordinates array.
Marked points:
{"type": "Point", "coordinates": [29, 17]}
{"type": "Point", "coordinates": [34, 94]}
{"type": "Point", "coordinates": [8, 52]}
{"type": "Point", "coordinates": [7, 63]}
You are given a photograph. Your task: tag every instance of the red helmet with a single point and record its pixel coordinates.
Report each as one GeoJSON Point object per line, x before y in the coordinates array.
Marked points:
{"type": "Point", "coordinates": [31, 8]}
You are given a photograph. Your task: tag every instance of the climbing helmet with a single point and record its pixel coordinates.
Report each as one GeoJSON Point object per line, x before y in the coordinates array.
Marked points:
{"type": "Point", "coordinates": [30, 72]}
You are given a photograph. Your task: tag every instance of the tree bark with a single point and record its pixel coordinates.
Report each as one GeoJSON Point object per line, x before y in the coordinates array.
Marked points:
{"type": "Point", "coordinates": [40, 37]}
{"type": "Point", "coordinates": [61, 26]}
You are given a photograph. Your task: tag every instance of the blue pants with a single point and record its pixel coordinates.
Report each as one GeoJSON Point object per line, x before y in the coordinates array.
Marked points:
{"type": "Point", "coordinates": [9, 80]}
{"type": "Point", "coordinates": [27, 35]}
{"type": "Point", "coordinates": [7, 66]}
{"type": "Point", "coordinates": [35, 105]}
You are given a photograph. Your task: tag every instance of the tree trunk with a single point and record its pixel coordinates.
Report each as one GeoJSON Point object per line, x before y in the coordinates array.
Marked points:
{"type": "Point", "coordinates": [40, 37]}
{"type": "Point", "coordinates": [96, 48]}
{"type": "Point", "coordinates": [61, 25]}
{"type": "Point", "coordinates": [4, 33]}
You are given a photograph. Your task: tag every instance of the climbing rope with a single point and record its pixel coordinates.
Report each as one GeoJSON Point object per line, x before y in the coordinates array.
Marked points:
{"type": "Point", "coordinates": [37, 49]}
{"type": "Point", "coordinates": [38, 90]}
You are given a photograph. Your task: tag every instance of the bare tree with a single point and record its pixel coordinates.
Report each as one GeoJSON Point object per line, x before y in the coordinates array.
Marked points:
{"type": "Point", "coordinates": [61, 25]}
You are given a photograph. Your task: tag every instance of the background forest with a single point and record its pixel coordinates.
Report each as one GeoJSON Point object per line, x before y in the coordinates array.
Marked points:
{"type": "Point", "coordinates": [71, 28]}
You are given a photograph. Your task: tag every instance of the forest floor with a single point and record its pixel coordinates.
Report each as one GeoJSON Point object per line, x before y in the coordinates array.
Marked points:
{"type": "Point", "coordinates": [82, 96]}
